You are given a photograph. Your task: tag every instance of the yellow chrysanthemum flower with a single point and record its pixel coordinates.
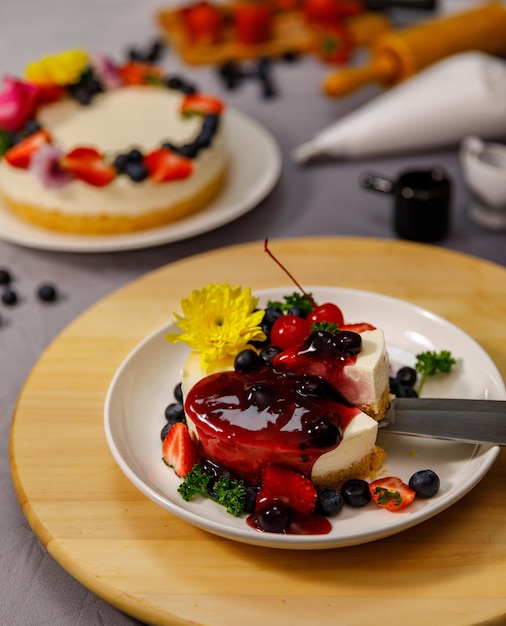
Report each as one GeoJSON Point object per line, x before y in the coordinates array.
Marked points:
{"type": "Point", "coordinates": [58, 69]}
{"type": "Point", "coordinates": [218, 321]}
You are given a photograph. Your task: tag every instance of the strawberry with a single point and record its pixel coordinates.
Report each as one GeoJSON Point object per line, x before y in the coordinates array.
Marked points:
{"type": "Point", "coordinates": [358, 327]}
{"type": "Point", "coordinates": [203, 22]}
{"type": "Point", "coordinates": [139, 73]}
{"type": "Point", "coordinates": [288, 486]}
{"type": "Point", "coordinates": [391, 493]}
{"type": "Point", "coordinates": [252, 22]}
{"type": "Point", "coordinates": [88, 165]}
{"type": "Point", "coordinates": [179, 450]}
{"type": "Point", "coordinates": [334, 43]}
{"type": "Point", "coordinates": [20, 154]}
{"type": "Point", "coordinates": [164, 165]}
{"type": "Point", "coordinates": [202, 104]}
{"type": "Point", "coordinates": [330, 11]}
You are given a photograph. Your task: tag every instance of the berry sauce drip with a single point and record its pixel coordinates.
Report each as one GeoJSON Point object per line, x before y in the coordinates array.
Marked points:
{"type": "Point", "coordinates": [325, 355]}
{"type": "Point", "coordinates": [246, 420]}
{"type": "Point", "coordinates": [291, 524]}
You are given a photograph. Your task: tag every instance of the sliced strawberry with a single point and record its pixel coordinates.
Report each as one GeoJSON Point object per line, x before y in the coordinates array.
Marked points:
{"type": "Point", "coordinates": [391, 493]}
{"type": "Point", "coordinates": [20, 155]}
{"type": "Point", "coordinates": [201, 104]}
{"type": "Point", "coordinates": [252, 22]}
{"type": "Point", "coordinates": [164, 165]}
{"type": "Point", "coordinates": [88, 165]}
{"type": "Point", "coordinates": [50, 93]}
{"type": "Point", "coordinates": [203, 22]}
{"type": "Point", "coordinates": [179, 450]}
{"type": "Point", "coordinates": [359, 327]}
{"type": "Point", "coordinates": [288, 486]}
{"type": "Point", "coordinates": [138, 73]}
{"type": "Point", "coordinates": [334, 43]}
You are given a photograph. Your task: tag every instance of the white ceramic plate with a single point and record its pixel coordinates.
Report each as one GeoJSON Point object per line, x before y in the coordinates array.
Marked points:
{"type": "Point", "coordinates": [255, 166]}
{"type": "Point", "coordinates": [143, 385]}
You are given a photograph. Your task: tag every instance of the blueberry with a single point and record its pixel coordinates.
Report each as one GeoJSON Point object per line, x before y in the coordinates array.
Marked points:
{"type": "Point", "coordinates": [260, 395]}
{"type": "Point", "coordinates": [165, 430]}
{"type": "Point", "coordinates": [174, 412]}
{"type": "Point", "coordinates": [329, 502]}
{"type": "Point", "coordinates": [323, 433]}
{"type": "Point", "coordinates": [271, 314]}
{"type": "Point", "coordinates": [263, 66]}
{"type": "Point", "coordinates": [406, 376]}
{"type": "Point", "coordinates": [94, 86]}
{"type": "Point", "coordinates": [189, 150]}
{"type": "Point", "coordinates": [135, 156]}
{"type": "Point", "coordinates": [32, 126]}
{"type": "Point", "coordinates": [247, 361]}
{"type": "Point", "coordinates": [178, 393]}
{"type": "Point", "coordinates": [47, 293]}
{"type": "Point", "coordinates": [155, 51]}
{"type": "Point", "coordinates": [268, 354]}
{"type": "Point", "coordinates": [348, 341]}
{"type": "Point", "coordinates": [232, 74]}
{"type": "Point", "coordinates": [120, 162]}
{"type": "Point", "coordinates": [250, 501]}
{"type": "Point", "coordinates": [175, 82]}
{"type": "Point", "coordinates": [425, 482]}
{"type": "Point", "coordinates": [82, 95]}
{"type": "Point", "coordinates": [290, 57]}
{"type": "Point", "coordinates": [136, 171]}
{"type": "Point", "coordinates": [188, 89]}
{"type": "Point", "coordinates": [168, 145]}
{"type": "Point", "coordinates": [9, 297]}
{"type": "Point", "coordinates": [321, 341]}
{"type": "Point", "coordinates": [274, 518]}
{"type": "Point", "coordinates": [204, 138]}
{"type": "Point", "coordinates": [298, 311]}
{"type": "Point", "coordinates": [312, 386]}
{"type": "Point", "coordinates": [394, 385]}
{"type": "Point", "coordinates": [356, 492]}
{"type": "Point", "coordinates": [5, 277]}
{"type": "Point", "coordinates": [211, 122]}
{"type": "Point", "coordinates": [406, 392]}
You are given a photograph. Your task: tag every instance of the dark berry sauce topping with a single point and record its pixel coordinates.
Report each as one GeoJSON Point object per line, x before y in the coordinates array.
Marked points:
{"type": "Point", "coordinates": [246, 420]}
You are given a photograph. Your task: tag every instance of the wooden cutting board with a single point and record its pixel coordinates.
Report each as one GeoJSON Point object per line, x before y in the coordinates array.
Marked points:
{"type": "Point", "coordinates": [449, 570]}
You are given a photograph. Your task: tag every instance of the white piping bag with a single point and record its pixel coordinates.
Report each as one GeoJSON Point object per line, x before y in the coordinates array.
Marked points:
{"type": "Point", "coordinates": [465, 94]}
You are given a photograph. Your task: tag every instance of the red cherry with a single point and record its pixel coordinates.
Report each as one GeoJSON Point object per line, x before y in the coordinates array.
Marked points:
{"type": "Point", "coordinates": [327, 312]}
{"type": "Point", "coordinates": [288, 331]}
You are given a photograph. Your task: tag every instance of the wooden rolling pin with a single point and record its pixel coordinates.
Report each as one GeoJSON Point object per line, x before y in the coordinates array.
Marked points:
{"type": "Point", "coordinates": [398, 54]}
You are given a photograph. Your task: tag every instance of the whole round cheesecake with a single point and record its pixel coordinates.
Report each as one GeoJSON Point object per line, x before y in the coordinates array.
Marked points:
{"type": "Point", "coordinates": [140, 155]}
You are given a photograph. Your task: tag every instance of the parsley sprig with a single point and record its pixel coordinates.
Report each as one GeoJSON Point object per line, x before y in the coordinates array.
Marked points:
{"type": "Point", "coordinates": [229, 492]}
{"type": "Point", "coordinates": [430, 363]}
{"type": "Point", "coordinates": [294, 299]}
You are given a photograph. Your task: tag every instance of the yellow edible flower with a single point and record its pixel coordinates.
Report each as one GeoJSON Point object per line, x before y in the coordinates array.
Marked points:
{"type": "Point", "coordinates": [218, 321]}
{"type": "Point", "coordinates": [58, 69]}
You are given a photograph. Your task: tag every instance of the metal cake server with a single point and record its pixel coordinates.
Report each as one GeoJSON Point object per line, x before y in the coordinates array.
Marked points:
{"type": "Point", "coordinates": [472, 421]}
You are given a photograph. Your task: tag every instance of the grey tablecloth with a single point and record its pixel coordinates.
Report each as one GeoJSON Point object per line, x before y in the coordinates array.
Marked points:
{"type": "Point", "coordinates": [323, 199]}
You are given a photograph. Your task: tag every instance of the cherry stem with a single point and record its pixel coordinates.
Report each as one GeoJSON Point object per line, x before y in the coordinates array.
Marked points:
{"type": "Point", "coordinates": [308, 296]}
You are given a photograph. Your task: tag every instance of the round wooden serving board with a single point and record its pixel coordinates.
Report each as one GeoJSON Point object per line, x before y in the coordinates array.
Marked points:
{"type": "Point", "coordinates": [449, 570]}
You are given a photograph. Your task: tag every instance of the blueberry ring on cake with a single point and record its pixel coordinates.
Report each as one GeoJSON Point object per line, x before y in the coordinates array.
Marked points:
{"type": "Point", "coordinates": [90, 147]}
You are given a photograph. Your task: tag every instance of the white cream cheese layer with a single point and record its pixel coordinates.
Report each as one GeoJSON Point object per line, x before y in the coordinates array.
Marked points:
{"type": "Point", "coordinates": [367, 377]}
{"type": "Point", "coordinates": [116, 122]}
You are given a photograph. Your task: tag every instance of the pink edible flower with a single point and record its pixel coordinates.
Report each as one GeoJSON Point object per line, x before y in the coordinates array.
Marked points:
{"type": "Point", "coordinates": [18, 101]}
{"type": "Point", "coordinates": [45, 164]}
{"type": "Point", "coordinates": [107, 71]}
